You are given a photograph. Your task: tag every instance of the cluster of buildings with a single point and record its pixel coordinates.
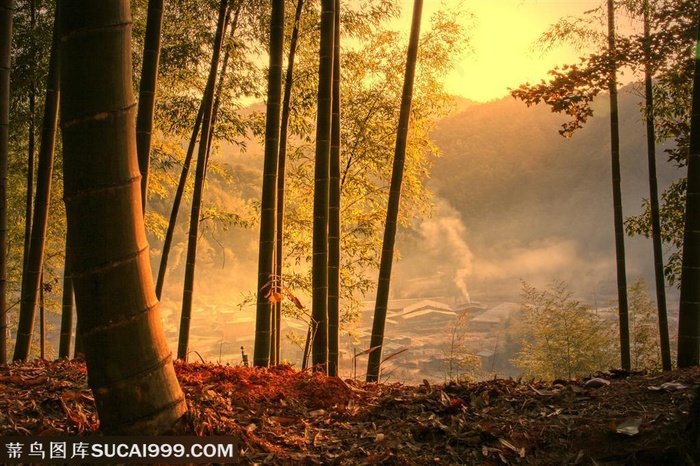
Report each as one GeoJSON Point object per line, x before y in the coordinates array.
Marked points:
{"type": "Point", "coordinates": [419, 339]}
{"type": "Point", "coordinates": [425, 333]}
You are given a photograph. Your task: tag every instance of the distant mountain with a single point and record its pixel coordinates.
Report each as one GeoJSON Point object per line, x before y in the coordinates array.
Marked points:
{"type": "Point", "coordinates": [461, 104]}
{"type": "Point", "coordinates": [531, 204]}
{"type": "Point", "coordinates": [514, 201]}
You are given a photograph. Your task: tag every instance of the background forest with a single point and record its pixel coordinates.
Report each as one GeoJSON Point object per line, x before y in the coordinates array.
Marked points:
{"type": "Point", "coordinates": [231, 199]}
{"type": "Point", "coordinates": [492, 195]}
{"type": "Point", "coordinates": [532, 206]}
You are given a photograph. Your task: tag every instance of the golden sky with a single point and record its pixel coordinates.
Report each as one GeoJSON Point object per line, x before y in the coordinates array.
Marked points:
{"type": "Point", "coordinates": [502, 43]}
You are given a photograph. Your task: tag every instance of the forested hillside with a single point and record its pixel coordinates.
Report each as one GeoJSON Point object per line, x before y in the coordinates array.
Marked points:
{"type": "Point", "coordinates": [513, 200]}
{"type": "Point", "coordinates": [533, 205]}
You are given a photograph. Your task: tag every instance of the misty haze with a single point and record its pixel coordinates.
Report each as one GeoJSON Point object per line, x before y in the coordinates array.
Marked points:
{"type": "Point", "coordinates": [531, 207]}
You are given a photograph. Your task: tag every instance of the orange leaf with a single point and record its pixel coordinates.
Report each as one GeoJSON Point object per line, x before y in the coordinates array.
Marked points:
{"type": "Point", "coordinates": [274, 297]}
{"type": "Point", "coordinates": [285, 420]}
{"type": "Point", "coordinates": [17, 380]}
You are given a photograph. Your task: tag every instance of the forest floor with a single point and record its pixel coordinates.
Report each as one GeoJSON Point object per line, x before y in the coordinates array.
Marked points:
{"type": "Point", "coordinates": [284, 416]}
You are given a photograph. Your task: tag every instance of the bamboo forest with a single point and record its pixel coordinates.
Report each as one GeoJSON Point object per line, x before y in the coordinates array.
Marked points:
{"type": "Point", "coordinates": [350, 232]}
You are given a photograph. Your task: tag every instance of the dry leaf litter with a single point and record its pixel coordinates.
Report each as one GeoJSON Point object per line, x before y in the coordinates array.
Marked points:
{"type": "Point", "coordinates": [285, 416]}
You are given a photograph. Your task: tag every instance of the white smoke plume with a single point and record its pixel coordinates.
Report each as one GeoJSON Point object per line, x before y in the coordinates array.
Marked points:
{"type": "Point", "coordinates": [436, 260]}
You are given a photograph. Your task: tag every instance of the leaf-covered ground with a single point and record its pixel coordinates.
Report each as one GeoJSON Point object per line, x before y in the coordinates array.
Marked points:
{"type": "Point", "coordinates": [283, 416]}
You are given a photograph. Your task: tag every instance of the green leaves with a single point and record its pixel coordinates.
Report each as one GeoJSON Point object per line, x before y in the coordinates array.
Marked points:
{"type": "Point", "coordinates": [570, 90]}
{"type": "Point", "coordinates": [372, 77]}
{"type": "Point", "coordinates": [644, 331]}
{"type": "Point", "coordinates": [561, 337]}
{"type": "Point", "coordinates": [671, 214]}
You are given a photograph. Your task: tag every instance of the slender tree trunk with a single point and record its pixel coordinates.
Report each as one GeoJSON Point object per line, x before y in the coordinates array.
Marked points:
{"type": "Point", "coordinates": [180, 191]}
{"type": "Point", "coordinates": [617, 195]}
{"type": "Point", "coordinates": [208, 103]}
{"type": "Point", "coordinates": [147, 92]}
{"type": "Point", "coordinates": [392, 215]}
{"type": "Point", "coordinates": [78, 351]}
{"type": "Point", "coordinates": [307, 348]}
{"type": "Point", "coordinates": [167, 243]}
{"type": "Point", "coordinates": [222, 77]}
{"type": "Point", "coordinates": [66, 318]}
{"type": "Point", "coordinates": [183, 178]}
{"type": "Point", "coordinates": [42, 319]}
{"type": "Point", "coordinates": [66, 331]}
{"type": "Point", "coordinates": [281, 168]}
{"type": "Point", "coordinates": [334, 210]}
{"type": "Point", "coordinates": [689, 309]}
{"type": "Point", "coordinates": [6, 10]}
{"type": "Point", "coordinates": [130, 368]}
{"type": "Point", "coordinates": [319, 310]}
{"type": "Point", "coordinates": [654, 199]}
{"type": "Point", "coordinates": [31, 142]}
{"type": "Point", "coordinates": [31, 278]}
{"type": "Point", "coordinates": [268, 208]}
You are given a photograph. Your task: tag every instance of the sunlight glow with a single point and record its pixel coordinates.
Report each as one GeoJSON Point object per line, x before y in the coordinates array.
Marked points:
{"type": "Point", "coordinates": [503, 44]}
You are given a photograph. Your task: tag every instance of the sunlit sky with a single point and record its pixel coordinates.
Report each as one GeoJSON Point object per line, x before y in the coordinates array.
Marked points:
{"type": "Point", "coordinates": [502, 43]}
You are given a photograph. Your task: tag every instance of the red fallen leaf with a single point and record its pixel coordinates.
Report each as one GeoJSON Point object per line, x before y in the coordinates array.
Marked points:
{"type": "Point", "coordinates": [17, 380]}
{"type": "Point", "coordinates": [285, 420]}
{"type": "Point", "coordinates": [456, 403]}
{"type": "Point", "coordinates": [73, 396]}
{"type": "Point", "coordinates": [378, 458]}
{"type": "Point", "coordinates": [76, 415]}
{"type": "Point", "coordinates": [246, 384]}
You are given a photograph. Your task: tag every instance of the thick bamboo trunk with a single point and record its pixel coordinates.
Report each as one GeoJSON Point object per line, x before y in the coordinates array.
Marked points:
{"type": "Point", "coordinates": [334, 210]}
{"type": "Point", "coordinates": [319, 301]}
{"type": "Point", "coordinates": [268, 208]}
{"type": "Point", "coordinates": [129, 364]}
{"type": "Point", "coordinates": [281, 168]}
{"type": "Point", "coordinates": [689, 310]}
